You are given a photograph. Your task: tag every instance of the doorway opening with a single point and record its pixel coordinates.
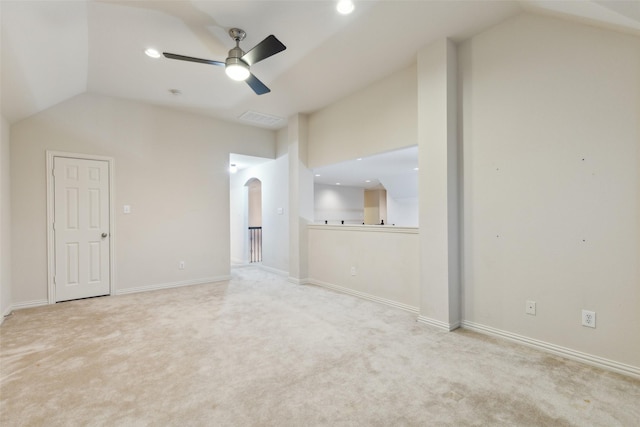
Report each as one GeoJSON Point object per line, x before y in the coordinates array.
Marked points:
{"type": "Point", "coordinates": [254, 230]}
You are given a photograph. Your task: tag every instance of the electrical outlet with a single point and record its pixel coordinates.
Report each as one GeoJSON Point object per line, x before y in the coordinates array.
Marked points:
{"type": "Point", "coordinates": [589, 318]}
{"type": "Point", "coordinates": [530, 308]}
{"type": "Point", "coordinates": [181, 265]}
{"type": "Point", "coordinates": [354, 271]}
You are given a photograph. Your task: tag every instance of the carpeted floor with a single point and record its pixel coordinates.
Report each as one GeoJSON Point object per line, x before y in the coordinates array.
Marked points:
{"type": "Point", "coordinates": [259, 351]}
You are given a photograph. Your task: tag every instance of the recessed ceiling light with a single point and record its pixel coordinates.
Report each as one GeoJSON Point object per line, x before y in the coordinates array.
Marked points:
{"type": "Point", "coordinates": [359, 158]}
{"type": "Point", "coordinates": [152, 53]}
{"type": "Point", "coordinates": [345, 7]}
{"type": "Point", "coordinates": [317, 174]}
{"type": "Point", "coordinates": [368, 180]}
{"type": "Point", "coordinates": [416, 169]}
{"type": "Point", "coordinates": [337, 183]}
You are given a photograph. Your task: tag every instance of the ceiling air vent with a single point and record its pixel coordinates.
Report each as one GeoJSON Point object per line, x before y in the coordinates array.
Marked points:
{"type": "Point", "coordinates": [261, 119]}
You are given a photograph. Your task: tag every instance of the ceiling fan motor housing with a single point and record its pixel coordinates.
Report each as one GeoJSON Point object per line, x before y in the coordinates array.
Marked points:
{"type": "Point", "coordinates": [234, 57]}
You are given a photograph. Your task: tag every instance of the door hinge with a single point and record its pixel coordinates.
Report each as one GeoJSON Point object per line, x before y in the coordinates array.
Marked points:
{"type": "Point", "coordinates": [54, 280]}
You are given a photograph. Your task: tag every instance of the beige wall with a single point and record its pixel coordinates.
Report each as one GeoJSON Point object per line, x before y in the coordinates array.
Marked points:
{"type": "Point", "coordinates": [255, 203]}
{"type": "Point", "coordinates": [377, 262]}
{"type": "Point", "coordinates": [5, 220]}
{"type": "Point", "coordinates": [171, 167]}
{"type": "Point", "coordinates": [549, 127]}
{"type": "Point", "coordinates": [375, 207]}
{"type": "Point", "coordinates": [379, 118]}
{"type": "Point", "coordinates": [551, 137]}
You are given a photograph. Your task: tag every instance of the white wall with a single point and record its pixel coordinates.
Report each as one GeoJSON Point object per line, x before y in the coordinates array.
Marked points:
{"type": "Point", "coordinates": [402, 199]}
{"type": "Point", "coordinates": [333, 203]}
{"type": "Point", "coordinates": [402, 212]}
{"type": "Point", "coordinates": [382, 117]}
{"type": "Point", "coordinates": [275, 225]}
{"type": "Point", "coordinates": [438, 185]}
{"type": "Point", "coordinates": [300, 196]}
{"type": "Point", "coordinates": [551, 137]}
{"type": "Point", "coordinates": [5, 220]}
{"type": "Point", "coordinates": [375, 262]}
{"type": "Point", "coordinates": [171, 167]}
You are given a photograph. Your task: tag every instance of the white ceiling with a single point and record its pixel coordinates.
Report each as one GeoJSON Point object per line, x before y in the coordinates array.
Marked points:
{"type": "Point", "coordinates": [53, 50]}
{"type": "Point", "coordinates": [372, 171]}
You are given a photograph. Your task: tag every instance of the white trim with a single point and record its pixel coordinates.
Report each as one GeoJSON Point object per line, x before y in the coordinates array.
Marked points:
{"type": "Point", "coordinates": [170, 285]}
{"type": "Point", "coordinates": [438, 323]}
{"type": "Point", "coordinates": [368, 228]}
{"type": "Point", "coordinates": [296, 281]}
{"type": "Point", "coordinates": [363, 295]}
{"type": "Point", "coordinates": [6, 313]}
{"type": "Point", "coordinates": [29, 304]}
{"type": "Point", "coordinates": [274, 270]}
{"type": "Point", "coordinates": [589, 359]}
{"type": "Point", "coordinates": [51, 287]}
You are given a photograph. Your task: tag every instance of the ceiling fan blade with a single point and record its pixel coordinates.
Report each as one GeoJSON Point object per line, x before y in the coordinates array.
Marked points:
{"type": "Point", "coordinates": [266, 48]}
{"type": "Point", "coordinates": [191, 59]}
{"type": "Point", "coordinates": [258, 87]}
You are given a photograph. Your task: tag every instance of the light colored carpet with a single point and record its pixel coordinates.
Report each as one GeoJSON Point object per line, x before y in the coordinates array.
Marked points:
{"type": "Point", "coordinates": [259, 351]}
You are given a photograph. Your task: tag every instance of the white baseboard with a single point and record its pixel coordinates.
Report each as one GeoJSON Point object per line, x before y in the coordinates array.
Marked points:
{"type": "Point", "coordinates": [28, 304]}
{"type": "Point", "coordinates": [439, 324]}
{"type": "Point", "coordinates": [23, 305]}
{"type": "Point", "coordinates": [156, 287]}
{"type": "Point", "coordinates": [6, 313]}
{"type": "Point", "coordinates": [297, 281]}
{"type": "Point", "coordinates": [363, 295]}
{"type": "Point", "coordinates": [589, 359]}
{"type": "Point", "coordinates": [275, 271]}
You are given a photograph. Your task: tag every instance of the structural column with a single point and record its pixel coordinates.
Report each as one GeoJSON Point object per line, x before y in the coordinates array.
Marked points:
{"type": "Point", "coordinates": [438, 186]}
{"type": "Point", "coordinates": [300, 198]}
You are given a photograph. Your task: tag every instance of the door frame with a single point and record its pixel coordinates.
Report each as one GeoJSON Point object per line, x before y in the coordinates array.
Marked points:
{"type": "Point", "coordinates": [51, 266]}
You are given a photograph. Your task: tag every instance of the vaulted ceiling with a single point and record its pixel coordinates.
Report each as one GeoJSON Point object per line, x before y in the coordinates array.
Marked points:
{"type": "Point", "coordinates": [53, 50]}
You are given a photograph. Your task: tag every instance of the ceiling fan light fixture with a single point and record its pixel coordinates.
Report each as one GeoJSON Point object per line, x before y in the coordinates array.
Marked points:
{"type": "Point", "coordinates": [152, 53]}
{"type": "Point", "coordinates": [345, 7]}
{"type": "Point", "coordinates": [237, 69]}
{"type": "Point", "coordinates": [238, 62]}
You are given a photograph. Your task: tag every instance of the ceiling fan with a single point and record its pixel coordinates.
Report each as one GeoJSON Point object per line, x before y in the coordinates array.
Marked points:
{"type": "Point", "coordinates": [238, 62]}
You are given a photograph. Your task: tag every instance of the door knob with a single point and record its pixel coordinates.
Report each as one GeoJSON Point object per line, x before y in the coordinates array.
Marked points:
{"type": "Point", "coordinates": [104, 235]}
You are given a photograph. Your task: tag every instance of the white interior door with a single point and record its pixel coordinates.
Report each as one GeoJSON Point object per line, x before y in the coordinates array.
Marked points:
{"type": "Point", "coordinates": [81, 228]}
